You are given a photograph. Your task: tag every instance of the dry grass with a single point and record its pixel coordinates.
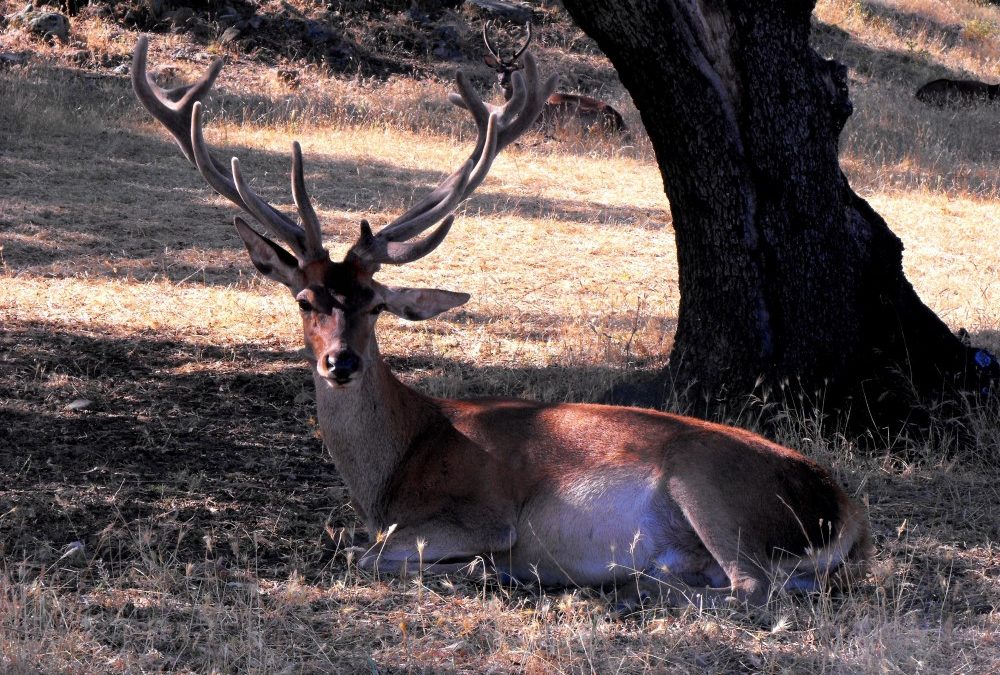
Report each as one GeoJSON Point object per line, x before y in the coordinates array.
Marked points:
{"type": "Point", "coordinates": [187, 520]}
{"type": "Point", "coordinates": [893, 142]}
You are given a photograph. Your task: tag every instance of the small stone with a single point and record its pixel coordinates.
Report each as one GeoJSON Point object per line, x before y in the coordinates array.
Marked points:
{"type": "Point", "coordinates": [50, 25]}
{"type": "Point", "coordinates": [230, 35]}
{"type": "Point", "coordinates": [78, 404]}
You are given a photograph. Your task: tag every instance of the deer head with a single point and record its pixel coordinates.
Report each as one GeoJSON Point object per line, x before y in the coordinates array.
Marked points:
{"type": "Point", "coordinates": [340, 300]}
{"type": "Point", "coordinates": [505, 68]}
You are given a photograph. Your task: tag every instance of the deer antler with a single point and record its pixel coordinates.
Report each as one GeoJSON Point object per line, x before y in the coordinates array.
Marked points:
{"type": "Point", "coordinates": [527, 41]}
{"type": "Point", "coordinates": [180, 111]}
{"type": "Point", "coordinates": [495, 53]}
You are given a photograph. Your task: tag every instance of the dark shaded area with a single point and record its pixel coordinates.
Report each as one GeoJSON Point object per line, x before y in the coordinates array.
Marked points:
{"type": "Point", "coordinates": [205, 455]}
{"type": "Point", "coordinates": [945, 92]}
{"type": "Point", "coordinates": [889, 66]}
{"type": "Point", "coordinates": [369, 39]}
{"type": "Point", "coordinates": [225, 430]}
{"type": "Point", "coordinates": [168, 422]}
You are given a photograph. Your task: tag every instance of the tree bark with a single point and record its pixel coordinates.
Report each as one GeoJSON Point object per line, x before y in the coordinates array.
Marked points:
{"type": "Point", "coordinates": [786, 275]}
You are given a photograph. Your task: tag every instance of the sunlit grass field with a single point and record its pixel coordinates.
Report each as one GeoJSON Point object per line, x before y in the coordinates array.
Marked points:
{"type": "Point", "coordinates": [165, 501]}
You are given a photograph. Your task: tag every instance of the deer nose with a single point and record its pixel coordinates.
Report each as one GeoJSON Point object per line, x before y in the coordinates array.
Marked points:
{"type": "Point", "coordinates": [345, 364]}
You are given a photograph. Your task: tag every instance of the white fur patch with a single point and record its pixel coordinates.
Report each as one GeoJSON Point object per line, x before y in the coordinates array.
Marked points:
{"type": "Point", "coordinates": [592, 531]}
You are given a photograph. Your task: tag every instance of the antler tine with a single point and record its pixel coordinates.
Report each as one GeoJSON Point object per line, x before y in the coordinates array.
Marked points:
{"type": "Point", "coordinates": [372, 250]}
{"type": "Point", "coordinates": [180, 111]}
{"type": "Point", "coordinates": [527, 42]}
{"type": "Point", "coordinates": [171, 109]}
{"type": "Point", "coordinates": [446, 196]}
{"type": "Point", "coordinates": [512, 118]}
{"type": "Point", "coordinates": [449, 194]}
{"type": "Point", "coordinates": [242, 196]}
{"type": "Point", "coordinates": [498, 127]}
{"type": "Point", "coordinates": [518, 120]}
{"type": "Point", "coordinates": [310, 222]}
{"type": "Point", "coordinates": [400, 253]}
{"type": "Point", "coordinates": [480, 114]}
{"type": "Point", "coordinates": [517, 114]}
{"type": "Point", "coordinates": [489, 46]}
{"type": "Point", "coordinates": [470, 176]}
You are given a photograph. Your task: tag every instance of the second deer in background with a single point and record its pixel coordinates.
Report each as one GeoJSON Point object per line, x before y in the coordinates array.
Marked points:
{"type": "Point", "coordinates": [559, 107]}
{"type": "Point", "coordinates": [944, 91]}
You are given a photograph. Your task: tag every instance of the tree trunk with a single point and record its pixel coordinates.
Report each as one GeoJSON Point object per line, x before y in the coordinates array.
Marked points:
{"type": "Point", "coordinates": [785, 273]}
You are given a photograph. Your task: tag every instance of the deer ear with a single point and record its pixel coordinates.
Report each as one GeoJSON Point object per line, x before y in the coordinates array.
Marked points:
{"type": "Point", "coordinates": [491, 61]}
{"type": "Point", "coordinates": [271, 260]}
{"type": "Point", "coordinates": [417, 304]}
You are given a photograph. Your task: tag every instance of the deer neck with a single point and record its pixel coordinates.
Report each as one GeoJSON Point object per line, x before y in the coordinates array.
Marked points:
{"type": "Point", "coordinates": [368, 429]}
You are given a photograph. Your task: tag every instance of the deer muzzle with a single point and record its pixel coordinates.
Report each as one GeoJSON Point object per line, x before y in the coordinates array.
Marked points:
{"type": "Point", "coordinates": [342, 366]}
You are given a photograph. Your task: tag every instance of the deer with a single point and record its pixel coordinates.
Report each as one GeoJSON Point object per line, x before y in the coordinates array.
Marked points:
{"type": "Point", "coordinates": [559, 106]}
{"type": "Point", "coordinates": [944, 91]}
{"type": "Point", "coordinates": [553, 493]}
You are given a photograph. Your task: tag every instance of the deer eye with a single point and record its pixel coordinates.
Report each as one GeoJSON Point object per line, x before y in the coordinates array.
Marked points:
{"type": "Point", "coordinates": [304, 305]}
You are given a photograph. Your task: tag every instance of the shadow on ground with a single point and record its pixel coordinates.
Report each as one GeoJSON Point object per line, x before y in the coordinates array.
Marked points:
{"type": "Point", "coordinates": [209, 438]}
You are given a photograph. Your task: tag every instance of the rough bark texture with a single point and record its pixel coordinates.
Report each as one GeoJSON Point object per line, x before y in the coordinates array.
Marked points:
{"type": "Point", "coordinates": [785, 273]}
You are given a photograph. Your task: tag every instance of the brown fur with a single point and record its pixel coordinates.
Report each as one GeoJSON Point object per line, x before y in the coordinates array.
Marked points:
{"type": "Point", "coordinates": [559, 493]}
{"type": "Point", "coordinates": [489, 477]}
{"type": "Point", "coordinates": [590, 111]}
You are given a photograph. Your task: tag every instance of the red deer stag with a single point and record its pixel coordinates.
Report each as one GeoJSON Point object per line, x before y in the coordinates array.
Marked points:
{"type": "Point", "coordinates": [558, 493]}
{"type": "Point", "coordinates": [559, 107]}
{"type": "Point", "coordinates": [957, 92]}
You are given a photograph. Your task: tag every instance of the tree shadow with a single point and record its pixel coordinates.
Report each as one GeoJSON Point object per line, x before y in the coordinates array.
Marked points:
{"type": "Point", "coordinates": [203, 454]}
{"type": "Point", "coordinates": [172, 432]}
{"type": "Point", "coordinates": [137, 428]}
{"type": "Point", "coordinates": [888, 64]}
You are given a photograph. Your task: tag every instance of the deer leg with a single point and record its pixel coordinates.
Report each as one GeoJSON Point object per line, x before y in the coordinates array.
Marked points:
{"type": "Point", "coordinates": [701, 558]}
{"type": "Point", "coordinates": [748, 575]}
{"type": "Point", "coordinates": [434, 548]}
